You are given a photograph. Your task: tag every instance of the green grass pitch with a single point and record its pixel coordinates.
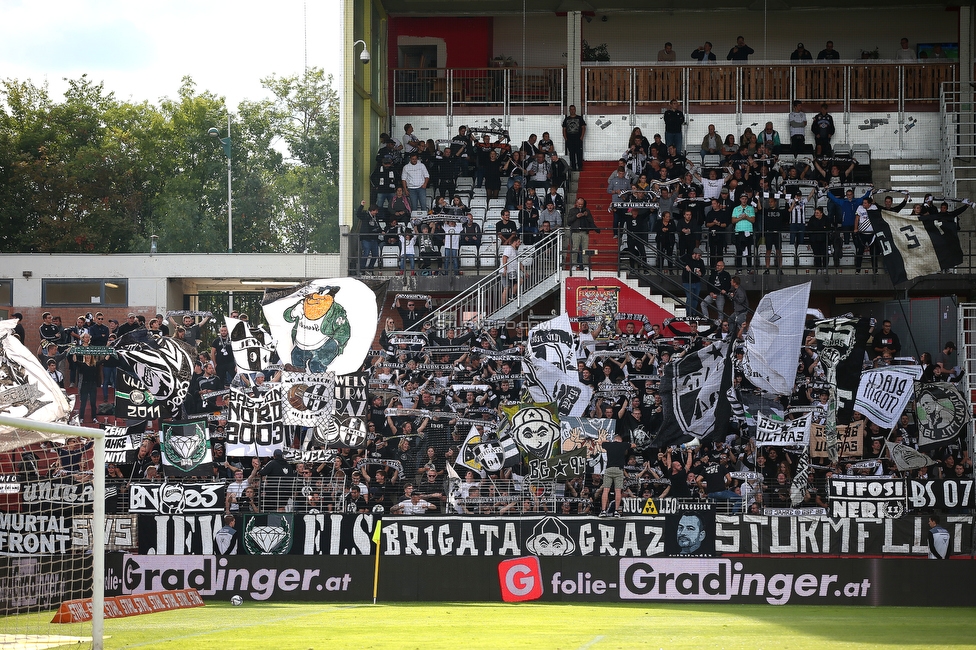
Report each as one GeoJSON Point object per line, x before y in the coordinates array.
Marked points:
{"type": "Point", "coordinates": [460, 626]}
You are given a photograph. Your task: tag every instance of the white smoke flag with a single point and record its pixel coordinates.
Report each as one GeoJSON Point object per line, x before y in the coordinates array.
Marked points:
{"type": "Point", "coordinates": [773, 340]}
{"type": "Point", "coordinates": [907, 459]}
{"type": "Point", "coordinates": [26, 390]}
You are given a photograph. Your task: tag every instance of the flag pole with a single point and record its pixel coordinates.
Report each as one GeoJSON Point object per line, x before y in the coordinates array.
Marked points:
{"type": "Point", "coordinates": [376, 569]}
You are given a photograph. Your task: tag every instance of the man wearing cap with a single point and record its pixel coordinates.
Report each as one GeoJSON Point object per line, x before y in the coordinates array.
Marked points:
{"type": "Point", "coordinates": [801, 54]}
{"type": "Point", "coordinates": [321, 329]}
{"type": "Point", "coordinates": [691, 276]}
{"type": "Point", "coordinates": [130, 324]}
{"type": "Point", "coordinates": [414, 179]}
{"type": "Point", "coordinates": [278, 478]}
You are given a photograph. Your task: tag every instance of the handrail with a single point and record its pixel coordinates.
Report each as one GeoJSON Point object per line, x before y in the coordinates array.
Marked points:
{"type": "Point", "coordinates": [505, 87]}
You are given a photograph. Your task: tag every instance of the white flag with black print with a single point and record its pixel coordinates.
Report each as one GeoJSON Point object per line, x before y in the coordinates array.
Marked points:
{"type": "Point", "coordinates": [906, 458]}
{"type": "Point", "coordinates": [942, 413]}
{"type": "Point", "coordinates": [884, 393]}
{"type": "Point", "coordinates": [773, 339]}
{"type": "Point", "coordinates": [913, 247]}
{"type": "Point", "coordinates": [26, 390]}
{"type": "Point", "coordinates": [552, 341]}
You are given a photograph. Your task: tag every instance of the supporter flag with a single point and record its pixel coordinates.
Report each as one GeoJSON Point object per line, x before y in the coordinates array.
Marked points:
{"type": "Point", "coordinates": [483, 454]}
{"type": "Point", "coordinates": [575, 432]}
{"type": "Point", "coordinates": [801, 480]}
{"type": "Point", "coordinates": [550, 384]}
{"type": "Point", "coordinates": [253, 348]}
{"type": "Point", "coordinates": [156, 372]}
{"type": "Point", "coordinates": [884, 393]}
{"type": "Point", "coordinates": [694, 395]}
{"type": "Point", "coordinates": [913, 247]}
{"type": "Point", "coordinates": [552, 341]}
{"type": "Point", "coordinates": [322, 324]}
{"type": "Point", "coordinates": [941, 413]}
{"type": "Point", "coordinates": [346, 426]}
{"type": "Point", "coordinates": [122, 443]}
{"type": "Point", "coordinates": [842, 342]}
{"type": "Point", "coordinates": [907, 459]}
{"type": "Point", "coordinates": [309, 398]}
{"type": "Point", "coordinates": [559, 468]}
{"type": "Point", "coordinates": [254, 425]}
{"type": "Point", "coordinates": [185, 448]}
{"type": "Point", "coordinates": [773, 339]}
{"type": "Point", "coordinates": [535, 428]}
{"type": "Point", "coordinates": [26, 390]}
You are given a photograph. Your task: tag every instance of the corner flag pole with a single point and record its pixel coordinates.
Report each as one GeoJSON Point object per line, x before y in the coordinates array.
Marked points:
{"type": "Point", "coordinates": [376, 570]}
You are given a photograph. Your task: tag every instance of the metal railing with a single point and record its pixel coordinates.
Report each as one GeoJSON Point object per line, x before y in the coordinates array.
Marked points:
{"type": "Point", "coordinates": [957, 135]}
{"type": "Point", "coordinates": [853, 83]}
{"type": "Point", "coordinates": [493, 298]}
{"type": "Point", "coordinates": [497, 87]}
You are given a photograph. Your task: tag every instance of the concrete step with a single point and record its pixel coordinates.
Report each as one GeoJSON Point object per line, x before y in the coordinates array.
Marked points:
{"type": "Point", "coordinates": [913, 167]}
{"type": "Point", "coordinates": [916, 178]}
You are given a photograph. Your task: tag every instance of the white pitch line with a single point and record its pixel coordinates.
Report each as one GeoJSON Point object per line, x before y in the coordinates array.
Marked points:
{"type": "Point", "coordinates": [591, 643]}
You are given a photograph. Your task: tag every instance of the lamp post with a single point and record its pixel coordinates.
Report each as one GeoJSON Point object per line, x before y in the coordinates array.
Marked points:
{"type": "Point", "coordinates": [214, 133]}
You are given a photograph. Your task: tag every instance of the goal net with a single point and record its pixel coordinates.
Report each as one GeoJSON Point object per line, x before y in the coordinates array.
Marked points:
{"type": "Point", "coordinates": [52, 523]}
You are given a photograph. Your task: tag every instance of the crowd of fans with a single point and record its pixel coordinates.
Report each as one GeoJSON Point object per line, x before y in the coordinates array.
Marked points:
{"type": "Point", "coordinates": [427, 394]}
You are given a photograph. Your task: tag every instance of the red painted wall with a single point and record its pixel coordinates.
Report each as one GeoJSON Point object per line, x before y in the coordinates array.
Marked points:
{"type": "Point", "coordinates": [468, 40]}
{"type": "Point", "coordinates": [589, 292]}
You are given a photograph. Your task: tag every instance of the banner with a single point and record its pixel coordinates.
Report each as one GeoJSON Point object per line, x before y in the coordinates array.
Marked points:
{"type": "Point", "coordinates": [850, 440]}
{"type": "Point", "coordinates": [309, 399]}
{"type": "Point", "coordinates": [310, 534]}
{"type": "Point", "coordinates": [121, 532]}
{"type": "Point", "coordinates": [347, 425]}
{"type": "Point", "coordinates": [693, 392]}
{"type": "Point", "coordinates": [177, 498]}
{"type": "Point", "coordinates": [773, 340]}
{"type": "Point", "coordinates": [26, 390]}
{"type": "Point", "coordinates": [34, 534]}
{"type": "Point", "coordinates": [534, 427]}
{"type": "Point", "coordinates": [252, 348]}
{"type": "Point", "coordinates": [906, 458]}
{"type": "Point", "coordinates": [322, 324]}
{"type": "Point", "coordinates": [941, 414]}
{"type": "Point", "coordinates": [867, 496]}
{"type": "Point", "coordinates": [32, 584]}
{"type": "Point", "coordinates": [185, 447]}
{"type": "Point", "coordinates": [883, 393]}
{"type": "Point", "coordinates": [777, 433]}
{"type": "Point", "coordinates": [549, 384]}
{"type": "Point", "coordinates": [942, 494]}
{"type": "Point", "coordinates": [487, 453]}
{"type": "Point", "coordinates": [559, 468]}
{"type": "Point", "coordinates": [913, 246]}
{"type": "Point", "coordinates": [122, 443]}
{"type": "Point", "coordinates": [157, 372]}
{"type": "Point", "coordinates": [575, 432]}
{"type": "Point", "coordinates": [254, 423]}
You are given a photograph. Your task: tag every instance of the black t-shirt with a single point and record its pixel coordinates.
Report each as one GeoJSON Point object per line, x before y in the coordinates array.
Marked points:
{"type": "Point", "coordinates": [679, 484]}
{"type": "Point", "coordinates": [715, 478]}
{"type": "Point", "coordinates": [775, 218]}
{"type": "Point", "coordinates": [616, 453]}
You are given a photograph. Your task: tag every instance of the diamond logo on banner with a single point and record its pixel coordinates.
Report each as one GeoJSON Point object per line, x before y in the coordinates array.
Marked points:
{"type": "Point", "coordinates": [273, 537]}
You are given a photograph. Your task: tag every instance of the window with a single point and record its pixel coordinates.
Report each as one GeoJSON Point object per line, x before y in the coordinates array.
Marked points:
{"type": "Point", "coordinates": [104, 293]}
{"type": "Point", "coordinates": [6, 293]}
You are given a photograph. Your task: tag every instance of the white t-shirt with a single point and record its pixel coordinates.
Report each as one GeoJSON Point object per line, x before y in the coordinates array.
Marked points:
{"type": "Point", "coordinates": [409, 508]}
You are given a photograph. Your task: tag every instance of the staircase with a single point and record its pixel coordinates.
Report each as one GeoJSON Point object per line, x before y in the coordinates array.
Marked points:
{"type": "Point", "coordinates": [592, 186]}
{"type": "Point", "coordinates": [920, 177]}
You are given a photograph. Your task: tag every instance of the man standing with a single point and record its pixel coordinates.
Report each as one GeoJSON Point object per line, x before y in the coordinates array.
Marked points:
{"type": "Point", "coordinates": [704, 53]}
{"type": "Point", "coordinates": [581, 223]}
{"type": "Point", "coordinates": [574, 130]}
{"type": "Point", "coordinates": [719, 286]}
{"type": "Point", "coordinates": [938, 539]}
{"type": "Point", "coordinates": [829, 53]}
{"type": "Point", "coordinates": [386, 180]}
{"type": "Point", "coordinates": [798, 125]}
{"type": "Point", "coordinates": [415, 178]}
{"type": "Point", "coordinates": [691, 277]}
{"type": "Point", "coordinates": [613, 477]}
{"type": "Point", "coordinates": [674, 120]}
{"type": "Point", "coordinates": [823, 129]}
{"type": "Point", "coordinates": [905, 53]}
{"type": "Point", "coordinates": [369, 236]}
{"type": "Point", "coordinates": [740, 307]}
{"type": "Point", "coordinates": [741, 51]}
{"type": "Point", "coordinates": [667, 54]}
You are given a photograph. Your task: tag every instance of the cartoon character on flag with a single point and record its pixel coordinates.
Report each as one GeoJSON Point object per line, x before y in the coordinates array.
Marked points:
{"type": "Point", "coordinates": [321, 329]}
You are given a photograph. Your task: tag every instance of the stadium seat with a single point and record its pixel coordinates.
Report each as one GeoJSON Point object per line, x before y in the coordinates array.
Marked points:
{"type": "Point", "coordinates": [478, 202]}
{"type": "Point", "coordinates": [391, 257]}
{"type": "Point", "coordinates": [842, 150]}
{"type": "Point", "coordinates": [498, 203]}
{"type": "Point", "coordinates": [469, 256]}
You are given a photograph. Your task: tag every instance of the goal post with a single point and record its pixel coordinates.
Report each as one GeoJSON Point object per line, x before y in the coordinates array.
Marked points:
{"type": "Point", "coordinates": [9, 428]}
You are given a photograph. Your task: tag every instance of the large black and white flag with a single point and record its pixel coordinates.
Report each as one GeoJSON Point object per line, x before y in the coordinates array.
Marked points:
{"type": "Point", "coordinates": [550, 384]}
{"type": "Point", "coordinates": [253, 347]}
{"type": "Point", "coordinates": [346, 426]}
{"type": "Point", "coordinates": [254, 425]}
{"type": "Point", "coordinates": [693, 392]}
{"type": "Point", "coordinates": [186, 448]}
{"type": "Point", "coordinates": [309, 398]}
{"type": "Point", "coordinates": [906, 458]}
{"type": "Point", "coordinates": [154, 375]}
{"type": "Point", "coordinates": [884, 392]}
{"type": "Point", "coordinates": [122, 442]}
{"type": "Point", "coordinates": [941, 413]}
{"type": "Point", "coordinates": [26, 390]}
{"type": "Point", "coordinates": [772, 342]}
{"type": "Point", "coordinates": [801, 479]}
{"type": "Point", "coordinates": [552, 341]}
{"type": "Point", "coordinates": [913, 247]}
{"type": "Point", "coordinates": [482, 453]}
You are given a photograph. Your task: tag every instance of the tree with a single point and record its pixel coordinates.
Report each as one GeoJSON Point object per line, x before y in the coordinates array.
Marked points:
{"type": "Point", "coordinates": [308, 114]}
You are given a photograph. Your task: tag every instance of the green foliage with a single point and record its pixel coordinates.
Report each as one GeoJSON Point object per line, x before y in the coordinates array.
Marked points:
{"type": "Point", "coordinates": [95, 174]}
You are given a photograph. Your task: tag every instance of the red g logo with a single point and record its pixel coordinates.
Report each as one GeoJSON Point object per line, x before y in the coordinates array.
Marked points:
{"type": "Point", "coordinates": [520, 579]}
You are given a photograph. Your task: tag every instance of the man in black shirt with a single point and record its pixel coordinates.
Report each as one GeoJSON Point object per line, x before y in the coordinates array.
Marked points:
{"type": "Point", "coordinates": [674, 120]}
{"type": "Point", "coordinates": [774, 218]}
{"type": "Point", "coordinates": [614, 475]}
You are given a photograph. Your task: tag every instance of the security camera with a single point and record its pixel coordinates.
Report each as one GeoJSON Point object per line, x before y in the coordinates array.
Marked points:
{"type": "Point", "coordinates": [364, 57]}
